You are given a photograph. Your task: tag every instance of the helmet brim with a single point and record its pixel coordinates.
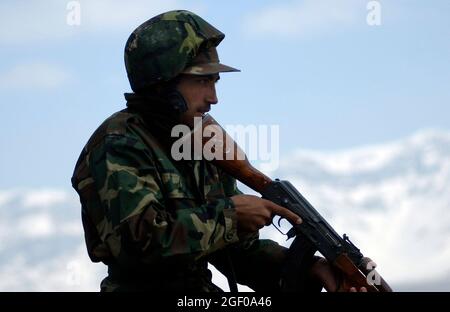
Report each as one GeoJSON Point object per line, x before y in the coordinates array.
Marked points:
{"type": "Point", "coordinates": [209, 69]}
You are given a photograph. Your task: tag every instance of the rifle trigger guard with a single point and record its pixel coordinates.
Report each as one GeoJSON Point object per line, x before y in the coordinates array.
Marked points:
{"type": "Point", "coordinates": [279, 221]}
{"type": "Point", "coordinates": [279, 225]}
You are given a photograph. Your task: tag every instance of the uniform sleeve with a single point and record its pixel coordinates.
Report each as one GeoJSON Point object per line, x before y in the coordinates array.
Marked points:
{"type": "Point", "coordinates": [229, 184]}
{"type": "Point", "coordinates": [257, 263]}
{"type": "Point", "coordinates": [137, 224]}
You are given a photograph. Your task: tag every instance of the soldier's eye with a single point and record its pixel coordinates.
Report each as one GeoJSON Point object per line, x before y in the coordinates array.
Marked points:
{"type": "Point", "coordinates": [203, 81]}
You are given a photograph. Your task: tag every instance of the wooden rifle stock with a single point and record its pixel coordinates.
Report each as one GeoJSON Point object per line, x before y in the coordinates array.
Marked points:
{"type": "Point", "coordinates": [233, 160]}
{"type": "Point", "coordinates": [353, 276]}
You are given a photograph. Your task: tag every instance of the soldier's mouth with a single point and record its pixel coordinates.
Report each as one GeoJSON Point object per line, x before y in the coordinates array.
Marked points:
{"type": "Point", "coordinates": [203, 112]}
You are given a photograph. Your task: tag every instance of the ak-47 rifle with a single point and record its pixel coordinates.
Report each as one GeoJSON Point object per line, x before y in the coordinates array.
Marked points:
{"type": "Point", "coordinates": [313, 234]}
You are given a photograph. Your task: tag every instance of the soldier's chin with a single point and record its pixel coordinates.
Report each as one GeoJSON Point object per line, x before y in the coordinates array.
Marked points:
{"type": "Point", "coordinates": [197, 117]}
{"type": "Point", "coordinates": [190, 119]}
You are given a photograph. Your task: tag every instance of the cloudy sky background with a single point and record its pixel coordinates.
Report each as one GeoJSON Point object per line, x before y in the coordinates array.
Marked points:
{"type": "Point", "coordinates": [363, 114]}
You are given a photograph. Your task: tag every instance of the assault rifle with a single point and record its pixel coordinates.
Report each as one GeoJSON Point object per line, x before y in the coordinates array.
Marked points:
{"type": "Point", "coordinates": [313, 234]}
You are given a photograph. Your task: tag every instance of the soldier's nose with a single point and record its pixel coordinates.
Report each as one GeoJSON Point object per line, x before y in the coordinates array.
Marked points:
{"type": "Point", "coordinates": [212, 96]}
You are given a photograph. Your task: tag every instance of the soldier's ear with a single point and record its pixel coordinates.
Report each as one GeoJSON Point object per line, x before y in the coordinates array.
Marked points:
{"type": "Point", "coordinates": [177, 101]}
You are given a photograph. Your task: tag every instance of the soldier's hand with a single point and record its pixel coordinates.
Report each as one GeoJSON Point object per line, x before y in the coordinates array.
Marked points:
{"type": "Point", "coordinates": [362, 289]}
{"type": "Point", "coordinates": [331, 279]}
{"type": "Point", "coordinates": [254, 212]}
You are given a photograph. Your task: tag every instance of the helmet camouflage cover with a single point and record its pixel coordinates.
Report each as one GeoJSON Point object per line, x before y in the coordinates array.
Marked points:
{"type": "Point", "coordinates": [169, 44]}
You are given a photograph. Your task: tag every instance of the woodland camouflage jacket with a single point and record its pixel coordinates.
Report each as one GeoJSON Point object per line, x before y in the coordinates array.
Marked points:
{"type": "Point", "coordinates": [157, 222]}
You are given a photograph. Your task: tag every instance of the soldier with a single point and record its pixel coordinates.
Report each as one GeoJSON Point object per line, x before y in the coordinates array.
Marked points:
{"type": "Point", "coordinates": [156, 222]}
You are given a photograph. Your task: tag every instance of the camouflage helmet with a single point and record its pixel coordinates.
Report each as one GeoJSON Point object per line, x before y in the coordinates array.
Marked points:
{"type": "Point", "coordinates": [169, 44]}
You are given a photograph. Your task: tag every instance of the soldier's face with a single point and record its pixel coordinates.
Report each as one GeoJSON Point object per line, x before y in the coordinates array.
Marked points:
{"type": "Point", "coordinates": [199, 93]}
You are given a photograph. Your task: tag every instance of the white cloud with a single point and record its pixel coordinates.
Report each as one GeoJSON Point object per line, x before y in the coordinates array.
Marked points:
{"type": "Point", "coordinates": [38, 21]}
{"type": "Point", "coordinates": [39, 214]}
{"type": "Point", "coordinates": [68, 272]}
{"type": "Point", "coordinates": [305, 18]}
{"type": "Point", "coordinates": [33, 75]}
{"type": "Point", "coordinates": [71, 228]}
{"type": "Point", "coordinates": [36, 226]}
{"type": "Point", "coordinates": [42, 244]}
{"type": "Point", "coordinates": [395, 212]}
{"type": "Point", "coordinates": [391, 199]}
{"type": "Point", "coordinates": [43, 224]}
{"type": "Point", "coordinates": [372, 158]}
{"type": "Point", "coordinates": [6, 197]}
{"type": "Point", "coordinates": [44, 198]}
{"type": "Point", "coordinates": [352, 161]}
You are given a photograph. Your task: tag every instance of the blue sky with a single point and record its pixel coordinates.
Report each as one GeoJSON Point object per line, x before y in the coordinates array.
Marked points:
{"type": "Point", "coordinates": [313, 67]}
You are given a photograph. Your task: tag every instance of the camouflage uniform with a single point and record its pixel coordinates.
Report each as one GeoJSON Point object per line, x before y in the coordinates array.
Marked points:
{"type": "Point", "coordinates": [157, 222]}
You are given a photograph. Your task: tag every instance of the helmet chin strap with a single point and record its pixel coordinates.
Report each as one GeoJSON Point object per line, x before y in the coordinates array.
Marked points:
{"type": "Point", "coordinates": [174, 102]}
{"type": "Point", "coordinates": [177, 102]}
